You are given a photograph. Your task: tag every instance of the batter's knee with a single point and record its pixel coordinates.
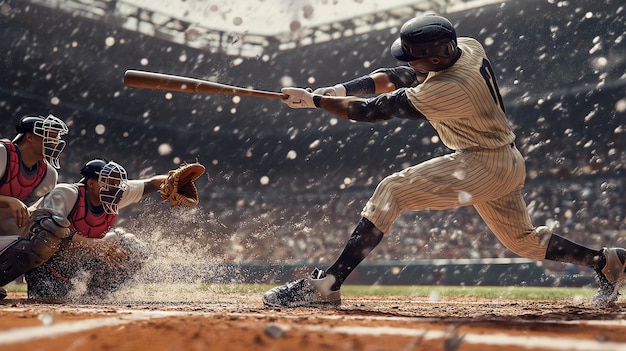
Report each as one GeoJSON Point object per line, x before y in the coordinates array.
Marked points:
{"type": "Point", "coordinates": [533, 245]}
{"type": "Point", "coordinates": [387, 185]}
{"type": "Point", "coordinates": [384, 197]}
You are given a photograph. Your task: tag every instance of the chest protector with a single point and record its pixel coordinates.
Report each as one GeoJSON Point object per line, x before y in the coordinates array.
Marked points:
{"type": "Point", "coordinates": [14, 183]}
{"type": "Point", "coordinates": [85, 222]}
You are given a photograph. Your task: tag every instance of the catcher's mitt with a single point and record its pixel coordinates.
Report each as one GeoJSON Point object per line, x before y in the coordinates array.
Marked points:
{"type": "Point", "coordinates": [179, 188]}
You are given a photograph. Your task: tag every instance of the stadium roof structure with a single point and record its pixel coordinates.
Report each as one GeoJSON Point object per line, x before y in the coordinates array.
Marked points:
{"type": "Point", "coordinates": [177, 29]}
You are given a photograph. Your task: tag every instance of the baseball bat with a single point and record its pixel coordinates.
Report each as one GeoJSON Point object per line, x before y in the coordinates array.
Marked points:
{"type": "Point", "coordinates": [170, 82]}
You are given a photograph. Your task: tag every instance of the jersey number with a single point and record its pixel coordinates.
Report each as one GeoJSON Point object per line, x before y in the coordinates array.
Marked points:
{"type": "Point", "coordinates": [490, 79]}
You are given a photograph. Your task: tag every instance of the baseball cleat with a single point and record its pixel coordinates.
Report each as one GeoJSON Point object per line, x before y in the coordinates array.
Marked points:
{"type": "Point", "coordinates": [610, 278]}
{"type": "Point", "coordinates": [3, 293]}
{"type": "Point", "coordinates": [312, 291]}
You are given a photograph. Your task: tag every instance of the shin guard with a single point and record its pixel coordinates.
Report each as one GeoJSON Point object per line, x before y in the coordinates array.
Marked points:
{"type": "Point", "coordinates": [19, 255]}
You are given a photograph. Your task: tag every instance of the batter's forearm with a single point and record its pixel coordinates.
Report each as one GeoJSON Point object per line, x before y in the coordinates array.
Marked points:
{"type": "Point", "coordinates": [360, 86]}
{"type": "Point", "coordinates": [382, 80]}
{"type": "Point", "coordinates": [382, 83]}
{"type": "Point", "coordinates": [338, 106]}
{"type": "Point", "coordinates": [390, 79]}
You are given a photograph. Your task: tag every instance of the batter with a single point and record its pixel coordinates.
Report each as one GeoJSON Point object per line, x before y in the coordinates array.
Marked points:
{"type": "Point", "coordinates": [450, 82]}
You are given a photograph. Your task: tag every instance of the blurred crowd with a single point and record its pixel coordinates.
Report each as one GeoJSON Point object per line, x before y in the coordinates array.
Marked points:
{"type": "Point", "coordinates": [312, 227]}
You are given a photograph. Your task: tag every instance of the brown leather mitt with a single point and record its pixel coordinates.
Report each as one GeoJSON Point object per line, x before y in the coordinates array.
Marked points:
{"type": "Point", "coordinates": [179, 188]}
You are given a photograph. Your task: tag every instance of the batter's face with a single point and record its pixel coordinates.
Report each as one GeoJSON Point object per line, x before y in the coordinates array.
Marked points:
{"type": "Point", "coordinates": [434, 63]}
{"type": "Point", "coordinates": [426, 64]}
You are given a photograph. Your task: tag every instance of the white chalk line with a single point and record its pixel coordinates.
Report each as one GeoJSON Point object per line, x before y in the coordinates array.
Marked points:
{"type": "Point", "coordinates": [24, 334]}
{"type": "Point", "coordinates": [15, 335]}
{"type": "Point", "coordinates": [498, 339]}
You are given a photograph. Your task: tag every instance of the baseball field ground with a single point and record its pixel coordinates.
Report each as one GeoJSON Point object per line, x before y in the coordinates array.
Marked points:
{"type": "Point", "coordinates": [232, 317]}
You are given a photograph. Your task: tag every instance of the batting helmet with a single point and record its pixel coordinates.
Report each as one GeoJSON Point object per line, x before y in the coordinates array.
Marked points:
{"type": "Point", "coordinates": [426, 36]}
{"type": "Point", "coordinates": [50, 128]}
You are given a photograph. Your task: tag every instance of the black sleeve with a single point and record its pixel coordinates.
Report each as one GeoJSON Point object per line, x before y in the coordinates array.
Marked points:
{"type": "Point", "coordinates": [401, 76]}
{"type": "Point", "coordinates": [384, 107]}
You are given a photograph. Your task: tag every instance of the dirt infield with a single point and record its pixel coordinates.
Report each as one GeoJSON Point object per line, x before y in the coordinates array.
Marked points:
{"type": "Point", "coordinates": [237, 322]}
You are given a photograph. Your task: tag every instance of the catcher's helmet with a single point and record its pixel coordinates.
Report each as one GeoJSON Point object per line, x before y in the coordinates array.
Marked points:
{"type": "Point", "coordinates": [113, 183]}
{"type": "Point", "coordinates": [50, 128]}
{"type": "Point", "coordinates": [111, 177]}
{"type": "Point", "coordinates": [91, 169]}
{"type": "Point", "coordinates": [426, 36]}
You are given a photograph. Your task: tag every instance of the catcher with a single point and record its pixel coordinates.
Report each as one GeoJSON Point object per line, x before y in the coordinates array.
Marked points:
{"type": "Point", "coordinates": [94, 261]}
{"type": "Point", "coordinates": [28, 170]}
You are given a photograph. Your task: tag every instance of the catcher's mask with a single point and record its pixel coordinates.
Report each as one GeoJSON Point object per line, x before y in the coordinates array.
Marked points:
{"type": "Point", "coordinates": [113, 181]}
{"type": "Point", "coordinates": [51, 129]}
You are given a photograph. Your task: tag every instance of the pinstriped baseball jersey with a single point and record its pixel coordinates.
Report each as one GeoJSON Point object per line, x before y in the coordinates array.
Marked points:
{"type": "Point", "coordinates": [462, 102]}
{"type": "Point", "coordinates": [464, 106]}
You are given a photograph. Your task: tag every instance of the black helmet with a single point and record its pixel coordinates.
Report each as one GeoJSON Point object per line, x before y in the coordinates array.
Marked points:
{"type": "Point", "coordinates": [426, 36]}
{"type": "Point", "coordinates": [51, 129]}
{"type": "Point", "coordinates": [39, 125]}
{"type": "Point", "coordinates": [27, 124]}
{"type": "Point", "coordinates": [91, 169]}
{"type": "Point", "coordinates": [112, 179]}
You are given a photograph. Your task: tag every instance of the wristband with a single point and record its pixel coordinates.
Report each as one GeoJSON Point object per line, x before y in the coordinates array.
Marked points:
{"type": "Point", "coordinates": [361, 86]}
{"type": "Point", "coordinates": [316, 100]}
{"type": "Point", "coordinates": [340, 89]}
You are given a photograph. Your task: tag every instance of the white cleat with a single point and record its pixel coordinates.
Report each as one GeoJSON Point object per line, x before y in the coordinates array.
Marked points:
{"type": "Point", "coordinates": [610, 278]}
{"type": "Point", "coordinates": [312, 291]}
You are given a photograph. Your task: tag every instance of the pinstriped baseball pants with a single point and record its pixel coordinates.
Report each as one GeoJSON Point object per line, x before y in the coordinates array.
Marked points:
{"type": "Point", "coordinates": [491, 180]}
